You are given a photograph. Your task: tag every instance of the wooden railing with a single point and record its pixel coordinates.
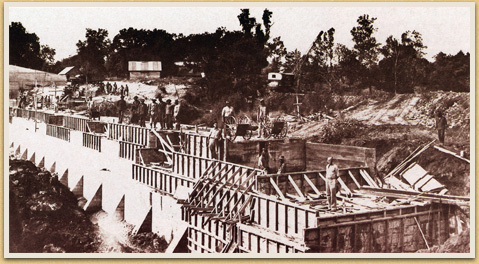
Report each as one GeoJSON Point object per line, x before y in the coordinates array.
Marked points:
{"type": "Point", "coordinates": [281, 215]}
{"type": "Point", "coordinates": [92, 141]}
{"type": "Point", "coordinates": [58, 132]}
{"type": "Point", "coordinates": [75, 123]}
{"type": "Point", "coordinates": [195, 167]}
{"type": "Point", "coordinates": [133, 134]}
{"type": "Point", "coordinates": [197, 145]}
{"type": "Point", "coordinates": [43, 117]}
{"type": "Point", "coordinates": [159, 180]}
{"type": "Point", "coordinates": [128, 150]}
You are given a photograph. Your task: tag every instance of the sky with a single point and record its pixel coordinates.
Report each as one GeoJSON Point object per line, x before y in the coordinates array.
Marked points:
{"type": "Point", "coordinates": [444, 28]}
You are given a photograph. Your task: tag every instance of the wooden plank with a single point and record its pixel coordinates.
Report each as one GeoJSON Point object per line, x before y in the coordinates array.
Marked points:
{"type": "Point", "coordinates": [276, 188]}
{"type": "Point", "coordinates": [452, 153]}
{"type": "Point", "coordinates": [296, 188]}
{"type": "Point", "coordinates": [322, 177]}
{"type": "Point", "coordinates": [344, 186]}
{"type": "Point", "coordinates": [311, 184]}
{"type": "Point", "coordinates": [368, 178]}
{"type": "Point", "coordinates": [354, 179]}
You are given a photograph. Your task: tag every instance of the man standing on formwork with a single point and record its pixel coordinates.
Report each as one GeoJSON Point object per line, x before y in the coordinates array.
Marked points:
{"type": "Point", "coordinates": [214, 139]}
{"type": "Point", "coordinates": [262, 115]}
{"type": "Point", "coordinates": [332, 173]}
{"type": "Point", "coordinates": [121, 104]}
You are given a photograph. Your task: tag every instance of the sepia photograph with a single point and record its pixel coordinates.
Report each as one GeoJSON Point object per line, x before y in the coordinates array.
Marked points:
{"type": "Point", "coordinates": [168, 130]}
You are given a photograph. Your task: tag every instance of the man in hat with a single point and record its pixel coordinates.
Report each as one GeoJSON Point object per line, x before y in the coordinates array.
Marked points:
{"type": "Point", "coordinates": [143, 112]}
{"type": "Point", "coordinates": [176, 111]}
{"type": "Point", "coordinates": [134, 110]}
{"type": "Point", "coordinates": [332, 173]}
{"type": "Point", "coordinates": [154, 114]}
{"type": "Point", "coordinates": [214, 138]}
{"type": "Point", "coordinates": [121, 104]}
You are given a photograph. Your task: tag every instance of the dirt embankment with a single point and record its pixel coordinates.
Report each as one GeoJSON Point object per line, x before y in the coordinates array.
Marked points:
{"type": "Point", "coordinates": [45, 217]}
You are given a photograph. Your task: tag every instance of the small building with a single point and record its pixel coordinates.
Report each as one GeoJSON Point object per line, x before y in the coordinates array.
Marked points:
{"type": "Point", "coordinates": [144, 70]}
{"type": "Point", "coordinates": [25, 78]}
{"type": "Point", "coordinates": [72, 74]}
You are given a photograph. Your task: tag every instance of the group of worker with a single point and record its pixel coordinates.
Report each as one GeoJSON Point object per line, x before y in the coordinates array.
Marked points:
{"type": "Point", "coordinates": [162, 114]}
{"type": "Point", "coordinates": [114, 89]}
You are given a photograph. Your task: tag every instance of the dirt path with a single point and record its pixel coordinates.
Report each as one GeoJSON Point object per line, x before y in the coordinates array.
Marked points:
{"type": "Point", "coordinates": [394, 111]}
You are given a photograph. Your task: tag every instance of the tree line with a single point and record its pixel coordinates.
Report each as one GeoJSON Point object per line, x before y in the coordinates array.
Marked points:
{"type": "Point", "coordinates": [235, 62]}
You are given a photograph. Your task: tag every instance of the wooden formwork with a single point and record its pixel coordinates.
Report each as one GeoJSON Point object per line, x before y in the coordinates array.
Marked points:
{"type": "Point", "coordinates": [128, 133]}
{"type": "Point", "coordinates": [128, 150]}
{"type": "Point", "coordinates": [197, 145]}
{"type": "Point", "coordinates": [160, 180]}
{"type": "Point", "coordinates": [91, 140]}
{"type": "Point", "coordinates": [75, 123]}
{"type": "Point", "coordinates": [390, 230]}
{"type": "Point", "coordinates": [300, 184]}
{"type": "Point", "coordinates": [58, 132]}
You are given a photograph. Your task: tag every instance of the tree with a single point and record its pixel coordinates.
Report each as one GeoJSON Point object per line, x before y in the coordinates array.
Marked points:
{"type": "Point", "coordinates": [247, 23]}
{"type": "Point", "coordinates": [403, 65]}
{"type": "Point", "coordinates": [348, 68]}
{"type": "Point", "coordinates": [25, 49]}
{"type": "Point", "coordinates": [92, 53]}
{"type": "Point", "coordinates": [365, 44]}
{"type": "Point", "coordinates": [277, 54]}
{"type": "Point", "coordinates": [318, 67]}
{"type": "Point", "coordinates": [450, 72]}
{"type": "Point", "coordinates": [366, 48]}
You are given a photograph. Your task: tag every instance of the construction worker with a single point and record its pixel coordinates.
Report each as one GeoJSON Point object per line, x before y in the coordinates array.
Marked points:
{"type": "Point", "coordinates": [263, 161]}
{"type": "Point", "coordinates": [262, 115]}
{"type": "Point", "coordinates": [134, 110]}
{"type": "Point", "coordinates": [126, 90]}
{"type": "Point", "coordinates": [282, 165]}
{"type": "Point", "coordinates": [121, 104]}
{"type": "Point", "coordinates": [55, 104]}
{"type": "Point", "coordinates": [154, 114]}
{"type": "Point", "coordinates": [89, 104]}
{"type": "Point", "coordinates": [441, 124]}
{"type": "Point", "coordinates": [227, 113]}
{"type": "Point", "coordinates": [214, 139]}
{"type": "Point", "coordinates": [142, 112]}
{"type": "Point", "coordinates": [176, 111]}
{"type": "Point", "coordinates": [332, 173]}
{"type": "Point", "coordinates": [169, 114]}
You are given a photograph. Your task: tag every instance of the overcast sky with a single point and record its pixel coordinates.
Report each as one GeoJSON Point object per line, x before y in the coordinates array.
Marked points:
{"type": "Point", "coordinates": [444, 28]}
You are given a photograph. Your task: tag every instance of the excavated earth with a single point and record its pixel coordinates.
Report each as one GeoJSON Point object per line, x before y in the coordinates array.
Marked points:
{"type": "Point", "coordinates": [44, 216]}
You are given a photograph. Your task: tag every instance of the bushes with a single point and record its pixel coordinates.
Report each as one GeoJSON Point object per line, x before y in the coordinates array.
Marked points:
{"type": "Point", "coordinates": [336, 130]}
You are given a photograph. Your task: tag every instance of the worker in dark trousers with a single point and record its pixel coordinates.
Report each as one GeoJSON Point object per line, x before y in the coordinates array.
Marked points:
{"type": "Point", "coordinates": [214, 140]}
{"type": "Point", "coordinates": [121, 104]}
{"type": "Point", "coordinates": [441, 124]}
{"type": "Point", "coordinates": [169, 114]}
{"type": "Point", "coordinates": [134, 110]}
{"type": "Point", "coordinates": [332, 173]}
{"type": "Point", "coordinates": [143, 113]}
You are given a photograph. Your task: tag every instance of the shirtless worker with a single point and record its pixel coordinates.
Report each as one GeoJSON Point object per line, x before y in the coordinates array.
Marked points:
{"type": "Point", "coordinates": [332, 173]}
